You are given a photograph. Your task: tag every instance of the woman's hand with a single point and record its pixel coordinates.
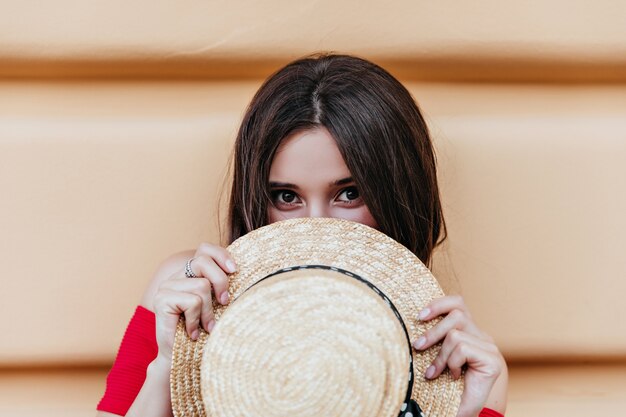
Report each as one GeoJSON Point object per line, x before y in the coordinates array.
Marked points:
{"type": "Point", "coordinates": [192, 296]}
{"type": "Point", "coordinates": [463, 344]}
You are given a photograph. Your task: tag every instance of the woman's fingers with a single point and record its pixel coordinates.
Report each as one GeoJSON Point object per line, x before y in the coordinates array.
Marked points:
{"type": "Point", "coordinates": [213, 263]}
{"type": "Point", "coordinates": [455, 339]}
{"type": "Point", "coordinates": [204, 266]}
{"type": "Point", "coordinates": [171, 304]}
{"type": "Point", "coordinates": [483, 362]}
{"type": "Point", "coordinates": [456, 319]}
{"type": "Point", "coordinates": [200, 287]}
{"type": "Point", "coordinates": [456, 316]}
{"type": "Point", "coordinates": [482, 372]}
{"type": "Point", "coordinates": [460, 348]}
{"type": "Point", "coordinates": [464, 346]}
{"type": "Point", "coordinates": [443, 305]}
{"type": "Point", "coordinates": [220, 255]}
{"type": "Point", "coordinates": [192, 297]}
{"type": "Point", "coordinates": [210, 265]}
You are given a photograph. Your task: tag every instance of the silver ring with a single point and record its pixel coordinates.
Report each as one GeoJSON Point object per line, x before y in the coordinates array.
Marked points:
{"type": "Point", "coordinates": [188, 272]}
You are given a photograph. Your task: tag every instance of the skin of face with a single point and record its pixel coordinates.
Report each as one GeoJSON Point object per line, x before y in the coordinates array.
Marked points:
{"type": "Point", "coordinates": [309, 178]}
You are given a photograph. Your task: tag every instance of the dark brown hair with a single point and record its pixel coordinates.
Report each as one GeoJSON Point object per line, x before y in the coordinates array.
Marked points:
{"type": "Point", "coordinates": [378, 129]}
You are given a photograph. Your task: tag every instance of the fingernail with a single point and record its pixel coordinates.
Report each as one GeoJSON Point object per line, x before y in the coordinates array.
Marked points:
{"type": "Point", "coordinates": [419, 343]}
{"type": "Point", "coordinates": [424, 313]}
{"type": "Point", "coordinates": [211, 325]}
{"type": "Point", "coordinates": [430, 372]}
{"type": "Point", "coordinates": [194, 335]}
{"type": "Point", "coordinates": [224, 298]}
{"type": "Point", "coordinates": [230, 265]}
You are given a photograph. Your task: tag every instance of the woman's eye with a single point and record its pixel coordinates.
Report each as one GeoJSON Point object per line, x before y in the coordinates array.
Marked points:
{"type": "Point", "coordinates": [284, 197]}
{"type": "Point", "coordinates": [349, 194]}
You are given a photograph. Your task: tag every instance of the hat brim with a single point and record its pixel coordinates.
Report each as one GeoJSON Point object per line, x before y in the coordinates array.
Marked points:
{"type": "Point", "coordinates": [347, 245]}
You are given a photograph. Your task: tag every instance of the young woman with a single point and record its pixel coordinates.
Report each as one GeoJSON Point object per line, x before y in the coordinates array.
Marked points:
{"type": "Point", "coordinates": [325, 136]}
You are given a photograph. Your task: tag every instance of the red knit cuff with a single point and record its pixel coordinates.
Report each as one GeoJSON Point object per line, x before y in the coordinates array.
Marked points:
{"type": "Point", "coordinates": [137, 350]}
{"type": "Point", "coordinates": [488, 412]}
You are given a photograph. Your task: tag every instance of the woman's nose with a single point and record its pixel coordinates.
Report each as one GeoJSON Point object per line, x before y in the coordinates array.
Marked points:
{"type": "Point", "coordinates": [318, 209]}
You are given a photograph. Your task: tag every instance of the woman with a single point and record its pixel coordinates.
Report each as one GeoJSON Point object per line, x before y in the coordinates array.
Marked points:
{"type": "Point", "coordinates": [325, 136]}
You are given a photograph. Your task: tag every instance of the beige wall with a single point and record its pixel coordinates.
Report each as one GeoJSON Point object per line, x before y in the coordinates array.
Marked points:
{"type": "Point", "coordinates": [116, 120]}
{"type": "Point", "coordinates": [105, 179]}
{"type": "Point", "coordinates": [486, 39]}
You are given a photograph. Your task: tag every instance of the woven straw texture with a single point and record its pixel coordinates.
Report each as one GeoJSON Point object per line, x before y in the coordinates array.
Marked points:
{"type": "Point", "coordinates": [262, 361]}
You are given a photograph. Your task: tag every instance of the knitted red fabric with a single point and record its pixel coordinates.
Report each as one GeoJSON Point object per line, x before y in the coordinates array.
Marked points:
{"type": "Point", "coordinates": [488, 412]}
{"type": "Point", "coordinates": [137, 350]}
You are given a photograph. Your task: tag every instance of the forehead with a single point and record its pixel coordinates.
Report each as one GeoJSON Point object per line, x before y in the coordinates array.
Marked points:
{"type": "Point", "coordinates": [308, 156]}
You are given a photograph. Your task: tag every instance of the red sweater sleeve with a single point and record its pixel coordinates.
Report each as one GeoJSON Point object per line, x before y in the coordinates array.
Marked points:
{"type": "Point", "coordinates": [137, 350]}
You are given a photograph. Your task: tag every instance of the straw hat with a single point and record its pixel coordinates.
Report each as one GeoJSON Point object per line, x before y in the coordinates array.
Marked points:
{"type": "Point", "coordinates": [320, 324]}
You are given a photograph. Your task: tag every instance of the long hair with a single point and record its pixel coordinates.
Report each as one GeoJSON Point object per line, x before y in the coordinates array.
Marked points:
{"type": "Point", "coordinates": [378, 129]}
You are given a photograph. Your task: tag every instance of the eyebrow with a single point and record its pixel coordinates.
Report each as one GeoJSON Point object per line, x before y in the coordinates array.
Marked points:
{"type": "Point", "coordinates": [276, 184]}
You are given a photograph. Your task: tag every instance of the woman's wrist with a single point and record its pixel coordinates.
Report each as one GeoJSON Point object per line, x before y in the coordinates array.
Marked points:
{"type": "Point", "coordinates": [160, 365]}
{"type": "Point", "coordinates": [154, 397]}
{"type": "Point", "coordinates": [498, 397]}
